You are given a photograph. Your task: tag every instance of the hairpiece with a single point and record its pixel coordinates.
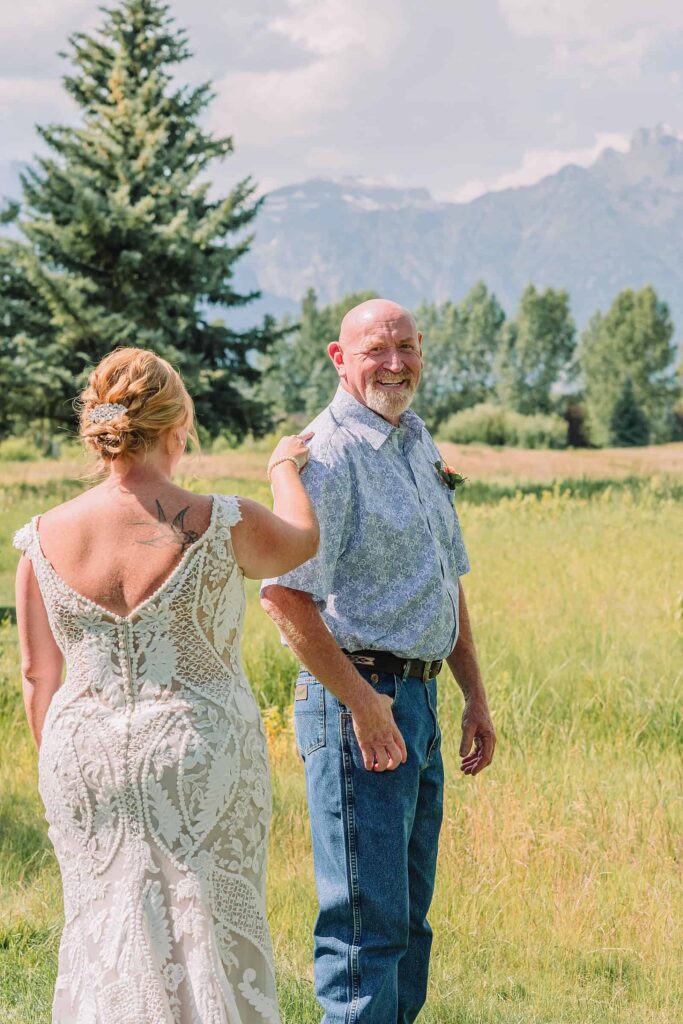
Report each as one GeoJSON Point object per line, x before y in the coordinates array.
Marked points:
{"type": "Point", "coordinates": [106, 411]}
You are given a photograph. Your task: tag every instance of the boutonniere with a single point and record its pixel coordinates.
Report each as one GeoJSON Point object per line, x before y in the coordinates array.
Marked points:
{"type": "Point", "coordinates": [448, 475]}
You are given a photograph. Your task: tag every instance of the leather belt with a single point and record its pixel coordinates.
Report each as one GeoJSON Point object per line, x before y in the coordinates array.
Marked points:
{"type": "Point", "coordinates": [385, 661]}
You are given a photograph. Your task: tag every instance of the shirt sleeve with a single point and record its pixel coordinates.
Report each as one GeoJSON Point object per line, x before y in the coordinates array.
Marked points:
{"type": "Point", "coordinates": [329, 490]}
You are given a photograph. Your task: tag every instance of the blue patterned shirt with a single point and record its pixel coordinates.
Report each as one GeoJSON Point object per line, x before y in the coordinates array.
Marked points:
{"type": "Point", "coordinates": [386, 574]}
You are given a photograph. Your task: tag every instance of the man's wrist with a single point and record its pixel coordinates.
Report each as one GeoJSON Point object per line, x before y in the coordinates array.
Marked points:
{"type": "Point", "coordinates": [360, 701]}
{"type": "Point", "coordinates": [473, 692]}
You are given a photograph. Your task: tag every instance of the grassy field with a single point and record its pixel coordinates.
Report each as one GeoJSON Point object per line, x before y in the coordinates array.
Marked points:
{"type": "Point", "coordinates": [559, 896]}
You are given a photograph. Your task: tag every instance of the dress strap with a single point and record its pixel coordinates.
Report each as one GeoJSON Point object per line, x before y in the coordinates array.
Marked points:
{"type": "Point", "coordinates": [228, 508]}
{"type": "Point", "coordinates": [26, 539]}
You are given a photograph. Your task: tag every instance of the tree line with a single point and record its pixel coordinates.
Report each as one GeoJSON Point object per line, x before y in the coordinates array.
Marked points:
{"type": "Point", "coordinates": [614, 383]}
{"type": "Point", "coordinates": [118, 239]}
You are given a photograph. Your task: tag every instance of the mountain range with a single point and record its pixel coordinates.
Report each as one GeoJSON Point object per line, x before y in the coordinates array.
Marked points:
{"type": "Point", "coordinates": [591, 230]}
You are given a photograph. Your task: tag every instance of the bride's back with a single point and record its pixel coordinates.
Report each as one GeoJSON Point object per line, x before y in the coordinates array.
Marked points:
{"type": "Point", "coordinates": [117, 544]}
{"type": "Point", "coordinates": [118, 541]}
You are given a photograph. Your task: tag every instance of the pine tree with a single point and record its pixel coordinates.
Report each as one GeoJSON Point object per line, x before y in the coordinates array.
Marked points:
{"type": "Point", "coordinates": [122, 241]}
{"type": "Point", "coordinates": [33, 378]}
{"type": "Point", "coordinates": [628, 426]}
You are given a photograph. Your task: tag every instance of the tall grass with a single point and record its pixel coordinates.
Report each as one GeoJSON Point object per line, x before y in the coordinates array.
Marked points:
{"type": "Point", "coordinates": [559, 895]}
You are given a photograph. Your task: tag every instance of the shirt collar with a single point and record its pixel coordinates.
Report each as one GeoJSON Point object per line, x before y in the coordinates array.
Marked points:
{"type": "Point", "coordinates": [369, 425]}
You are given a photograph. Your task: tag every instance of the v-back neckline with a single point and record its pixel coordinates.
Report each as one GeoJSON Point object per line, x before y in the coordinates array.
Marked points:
{"type": "Point", "coordinates": [158, 590]}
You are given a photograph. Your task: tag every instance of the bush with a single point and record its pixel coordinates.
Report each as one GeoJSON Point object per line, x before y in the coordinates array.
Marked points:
{"type": "Point", "coordinates": [494, 424]}
{"type": "Point", "coordinates": [18, 449]}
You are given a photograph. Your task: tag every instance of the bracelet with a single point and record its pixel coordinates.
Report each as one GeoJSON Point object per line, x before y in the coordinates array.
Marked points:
{"type": "Point", "coordinates": [285, 458]}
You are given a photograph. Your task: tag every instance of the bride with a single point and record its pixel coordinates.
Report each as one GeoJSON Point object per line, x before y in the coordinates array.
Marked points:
{"type": "Point", "coordinates": [152, 755]}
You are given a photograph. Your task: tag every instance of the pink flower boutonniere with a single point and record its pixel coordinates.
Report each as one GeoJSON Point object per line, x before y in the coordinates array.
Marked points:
{"type": "Point", "coordinates": [448, 475]}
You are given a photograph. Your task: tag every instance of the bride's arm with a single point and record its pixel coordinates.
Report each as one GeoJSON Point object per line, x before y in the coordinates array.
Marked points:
{"type": "Point", "coordinates": [41, 658]}
{"type": "Point", "coordinates": [273, 543]}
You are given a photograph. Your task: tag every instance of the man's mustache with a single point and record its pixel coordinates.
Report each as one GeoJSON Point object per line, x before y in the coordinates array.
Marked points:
{"type": "Point", "coordinates": [391, 379]}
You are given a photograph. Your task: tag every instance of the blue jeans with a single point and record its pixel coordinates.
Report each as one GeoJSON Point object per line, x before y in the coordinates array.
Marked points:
{"type": "Point", "coordinates": [375, 840]}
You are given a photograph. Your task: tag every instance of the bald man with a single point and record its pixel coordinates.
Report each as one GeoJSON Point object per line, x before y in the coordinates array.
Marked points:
{"type": "Point", "coordinates": [371, 619]}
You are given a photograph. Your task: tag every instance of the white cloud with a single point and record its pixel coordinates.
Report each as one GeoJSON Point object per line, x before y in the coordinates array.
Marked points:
{"type": "Point", "coordinates": [575, 20]}
{"type": "Point", "coordinates": [612, 35]}
{"type": "Point", "coordinates": [265, 108]}
{"type": "Point", "coordinates": [346, 39]}
{"type": "Point", "coordinates": [340, 25]}
{"type": "Point", "coordinates": [538, 163]}
{"type": "Point", "coordinates": [37, 14]}
{"type": "Point", "coordinates": [450, 96]}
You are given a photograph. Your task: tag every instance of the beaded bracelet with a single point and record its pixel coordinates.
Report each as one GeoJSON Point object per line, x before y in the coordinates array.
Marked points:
{"type": "Point", "coordinates": [285, 458]}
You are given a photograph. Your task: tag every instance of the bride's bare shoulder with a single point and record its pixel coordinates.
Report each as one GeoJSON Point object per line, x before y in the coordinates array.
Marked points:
{"type": "Point", "coordinates": [99, 504]}
{"type": "Point", "coordinates": [70, 510]}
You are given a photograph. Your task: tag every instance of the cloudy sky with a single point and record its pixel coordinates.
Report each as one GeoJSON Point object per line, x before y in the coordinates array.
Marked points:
{"type": "Point", "coordinates": [459, 96]}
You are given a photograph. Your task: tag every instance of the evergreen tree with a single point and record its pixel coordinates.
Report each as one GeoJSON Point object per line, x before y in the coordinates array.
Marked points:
{"type": "Point", "coordinates": [632, 340]}
{"type": "Point", "coordinates": [536, 351]}
{"type": "Point", "coordinates": [122, 243]}
{"type": "Point", "coordinates": [32, 375]}
{"type": "Point", "coordinates": [459, 345]}
{"type": "Point", "coordinates": [628, 425]}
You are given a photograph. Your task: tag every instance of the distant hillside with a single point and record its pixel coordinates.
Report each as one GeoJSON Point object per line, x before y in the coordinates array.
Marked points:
{"type": "Point", "coordinates": [590, 230]}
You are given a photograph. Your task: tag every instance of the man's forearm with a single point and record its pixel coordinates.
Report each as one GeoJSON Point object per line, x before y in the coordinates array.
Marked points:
{"type": "Point", "coordinates": [296, 616]}
{"type": "Point", "coordinates": [462, 661]}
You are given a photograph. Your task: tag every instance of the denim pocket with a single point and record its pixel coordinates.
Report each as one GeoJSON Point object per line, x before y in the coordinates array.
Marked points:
{"type": "Point", "coordinates": [385, 683]}
{"type": "Point", "coordinates": [309, 714]}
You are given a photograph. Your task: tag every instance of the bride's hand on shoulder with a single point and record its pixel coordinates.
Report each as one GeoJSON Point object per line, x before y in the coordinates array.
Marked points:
{"type": "Point", "coordinates": [272, 543]}
{"type": "Point", "coordinates": [291, 449]}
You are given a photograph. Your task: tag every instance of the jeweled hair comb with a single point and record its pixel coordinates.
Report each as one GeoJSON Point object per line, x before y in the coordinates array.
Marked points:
{"type": "Point", "coordinates": [106, 411]}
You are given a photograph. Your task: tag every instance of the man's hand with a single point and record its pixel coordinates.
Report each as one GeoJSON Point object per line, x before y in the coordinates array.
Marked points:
{"type": "Point", "coordinates": [379, 738]}
{"type": "Point", "coordinates": [477, 729]}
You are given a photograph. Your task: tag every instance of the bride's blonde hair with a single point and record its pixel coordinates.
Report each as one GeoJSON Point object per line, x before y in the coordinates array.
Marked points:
{"type": "Point", "coordinates": [154, 397]}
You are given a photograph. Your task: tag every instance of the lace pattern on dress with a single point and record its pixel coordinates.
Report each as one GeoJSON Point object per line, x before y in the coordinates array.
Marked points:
{"type": "Point", "coordinates": [154, 774]}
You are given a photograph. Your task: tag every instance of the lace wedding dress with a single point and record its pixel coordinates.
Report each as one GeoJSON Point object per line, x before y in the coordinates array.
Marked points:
{"type": "Point", "coordinates": [153, 770]}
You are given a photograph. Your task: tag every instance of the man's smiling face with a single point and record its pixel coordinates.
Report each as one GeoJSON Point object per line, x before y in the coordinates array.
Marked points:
{"type": "Point", "coordinates": [379, 357]}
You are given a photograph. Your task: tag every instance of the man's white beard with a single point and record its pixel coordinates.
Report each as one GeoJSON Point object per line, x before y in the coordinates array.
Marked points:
{"type": "Point", "coordinates": [387, 404]}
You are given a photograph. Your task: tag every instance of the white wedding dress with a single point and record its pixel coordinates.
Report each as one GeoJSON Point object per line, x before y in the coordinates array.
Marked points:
{"type": "Point", "coordinates": [154, 774]}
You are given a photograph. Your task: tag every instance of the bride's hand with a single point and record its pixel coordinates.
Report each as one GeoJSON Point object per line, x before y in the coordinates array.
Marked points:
{"type": "Point", "coordinates": [292, 447]}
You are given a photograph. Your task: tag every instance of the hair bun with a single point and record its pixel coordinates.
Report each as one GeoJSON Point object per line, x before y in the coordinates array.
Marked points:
{"type": "Point", "coordinates": [132, 397]}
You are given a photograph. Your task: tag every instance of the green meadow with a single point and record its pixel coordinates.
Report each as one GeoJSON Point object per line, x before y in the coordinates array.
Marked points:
{"type": "Point", "coordinates": [559, 896]}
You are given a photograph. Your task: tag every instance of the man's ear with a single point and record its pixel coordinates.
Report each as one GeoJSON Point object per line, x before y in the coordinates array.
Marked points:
{"type": "Point", "coordinates": [334, 351]}
{"type": "Point", "coordinates": [419, 339]}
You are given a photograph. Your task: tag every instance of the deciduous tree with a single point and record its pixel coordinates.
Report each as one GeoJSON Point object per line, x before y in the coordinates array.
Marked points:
{"type": "Point", "coordinates": [459, 344]}
{"type": "Point", "coordinates": [633, 340]}
{"type": "Point", "coordinates": [536, 350]}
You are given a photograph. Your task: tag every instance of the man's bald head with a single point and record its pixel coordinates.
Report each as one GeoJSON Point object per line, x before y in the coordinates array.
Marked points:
{"type": "Point", "coordinates": [378, 356]}
{"type": "Point", "coordinates": [366, 316]}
